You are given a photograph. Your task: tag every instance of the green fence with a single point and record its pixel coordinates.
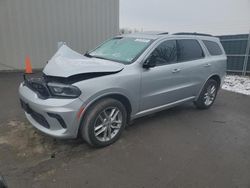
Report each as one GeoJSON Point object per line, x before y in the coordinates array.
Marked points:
{"type": "Point", "coordinates": [237, 48]}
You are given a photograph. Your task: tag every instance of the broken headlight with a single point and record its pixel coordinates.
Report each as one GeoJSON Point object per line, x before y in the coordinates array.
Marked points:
{"type": "Point", "coordinates": [64, 90]}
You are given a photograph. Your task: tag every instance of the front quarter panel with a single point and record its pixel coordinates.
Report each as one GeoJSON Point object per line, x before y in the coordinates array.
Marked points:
{"type": "Point", "coordinates": [126, 83]}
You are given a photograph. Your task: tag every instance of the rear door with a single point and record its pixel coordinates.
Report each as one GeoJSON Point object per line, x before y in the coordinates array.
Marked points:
{"type": "Point", "coordinates": [195, 68]}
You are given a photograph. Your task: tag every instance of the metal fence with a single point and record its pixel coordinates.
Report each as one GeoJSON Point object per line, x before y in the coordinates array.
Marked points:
{"type": "Point", "coordinates": [237, 48]}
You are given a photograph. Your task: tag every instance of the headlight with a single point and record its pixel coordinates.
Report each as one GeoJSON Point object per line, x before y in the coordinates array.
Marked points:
{"type": "Point", "coordinates": [63, 90]}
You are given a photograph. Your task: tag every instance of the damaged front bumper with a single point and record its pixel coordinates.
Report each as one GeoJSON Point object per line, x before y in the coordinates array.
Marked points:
{"type": "Point", "coordinates": [56, 117]}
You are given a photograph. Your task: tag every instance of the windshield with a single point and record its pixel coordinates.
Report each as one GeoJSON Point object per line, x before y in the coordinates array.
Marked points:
{"type": "Point", "coordinates": [122, 49]}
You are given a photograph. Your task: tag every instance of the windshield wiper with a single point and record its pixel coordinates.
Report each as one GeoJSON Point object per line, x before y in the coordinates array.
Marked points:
{"type": "Point", "coordinates": [93, 56]}
{"type": "Point", "coordinates": [98, 57]}
{"type": "Point", "coordinates": [87, 54]}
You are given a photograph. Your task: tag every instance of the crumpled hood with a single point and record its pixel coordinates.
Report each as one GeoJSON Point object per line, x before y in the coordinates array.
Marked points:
{"type": "Point", "coordinates": [67, 62]}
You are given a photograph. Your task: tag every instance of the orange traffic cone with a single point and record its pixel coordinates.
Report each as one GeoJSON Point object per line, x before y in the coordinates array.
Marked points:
{"type": "Point", "coordinates": [28, 68]}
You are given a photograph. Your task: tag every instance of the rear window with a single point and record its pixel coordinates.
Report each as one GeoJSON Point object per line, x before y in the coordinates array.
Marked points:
{"type": "Point", "coordinates": [189, 49]}
{"type": "Point", "coordinates": [213, 47]}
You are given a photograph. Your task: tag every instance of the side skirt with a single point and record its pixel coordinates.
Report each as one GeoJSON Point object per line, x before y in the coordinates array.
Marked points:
{"type": "Point", "coordinates": [160, 108]}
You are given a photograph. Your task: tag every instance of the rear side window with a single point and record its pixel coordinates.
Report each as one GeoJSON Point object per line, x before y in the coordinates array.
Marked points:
{"type": "Point", "coordinates": [212, 47]}
{"type": "Point", "coordinates": [189, 49]}
{"type": "Point", "coordinates": [166, 52]}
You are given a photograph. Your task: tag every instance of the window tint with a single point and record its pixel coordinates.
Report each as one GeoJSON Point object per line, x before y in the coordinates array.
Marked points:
{"type": "Point", "coordinates": [166, 52]}
{"type": "Point", "coordinates": [189, 49]}
{"type": "Point", "coordinates": [213, 47]}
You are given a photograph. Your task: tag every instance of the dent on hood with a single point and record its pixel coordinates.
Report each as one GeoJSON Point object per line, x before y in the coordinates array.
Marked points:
{"type": "Point", "coordinates": [66, 63]}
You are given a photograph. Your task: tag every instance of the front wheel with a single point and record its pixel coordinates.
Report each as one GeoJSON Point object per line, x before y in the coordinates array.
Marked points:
{"type": "Point", "coordinates": [207, 95]}
{"type": "Point", "coordinates": [104, 122]}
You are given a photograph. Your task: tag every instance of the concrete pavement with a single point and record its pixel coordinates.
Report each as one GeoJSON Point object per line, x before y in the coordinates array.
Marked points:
{"type": "Point", "coordinates": [179, 147]}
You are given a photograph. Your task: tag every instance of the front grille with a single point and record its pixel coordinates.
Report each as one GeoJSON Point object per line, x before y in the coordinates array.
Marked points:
{"type": "Point", "coordinates": [38, 85]}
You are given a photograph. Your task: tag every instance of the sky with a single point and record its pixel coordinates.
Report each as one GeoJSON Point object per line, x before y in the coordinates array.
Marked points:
{"type": "Point", "coordinates": [215, 17]}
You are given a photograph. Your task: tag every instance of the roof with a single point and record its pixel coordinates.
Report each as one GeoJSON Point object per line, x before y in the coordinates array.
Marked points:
{"type": "Point", "coordinates": [161, 34]}
{"type": "Point", "coordinates": [147, 35]}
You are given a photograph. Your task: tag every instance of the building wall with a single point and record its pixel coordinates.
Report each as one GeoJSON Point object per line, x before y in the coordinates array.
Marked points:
{"type": "Point", "coordinates": [34, 27]}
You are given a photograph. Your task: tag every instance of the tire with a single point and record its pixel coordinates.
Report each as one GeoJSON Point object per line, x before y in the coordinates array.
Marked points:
{"type": "Point", "coordinates": [207, 95]}
{"type": "Point", "coordinates": [100, 127]}
{"type": "Point", "coordinates": [2, 183]}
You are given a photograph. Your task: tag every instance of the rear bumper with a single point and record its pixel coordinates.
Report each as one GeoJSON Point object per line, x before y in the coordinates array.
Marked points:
{"type": "Point", "coordinates": [55, 117]}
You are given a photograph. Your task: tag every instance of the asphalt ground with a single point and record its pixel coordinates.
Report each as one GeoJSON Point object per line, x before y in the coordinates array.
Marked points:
{"type": "Point", "coordinates": [179, 147]}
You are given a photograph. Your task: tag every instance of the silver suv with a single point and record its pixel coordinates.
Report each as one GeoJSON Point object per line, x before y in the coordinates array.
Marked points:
{"type": "Point", "coordinates": [96, 94]}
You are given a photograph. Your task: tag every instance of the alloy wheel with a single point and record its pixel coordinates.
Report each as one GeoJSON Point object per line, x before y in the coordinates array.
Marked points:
{"type": "Point", "coordinates": [210, 94]}
{"type": "Point", "coordinates": [107, 124]}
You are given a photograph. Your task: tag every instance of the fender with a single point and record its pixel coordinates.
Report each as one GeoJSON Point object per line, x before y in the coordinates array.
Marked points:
{"type": "Point", "coordinates": [205, 83]}
{"type": "Point", "coordinates": [105, 93]}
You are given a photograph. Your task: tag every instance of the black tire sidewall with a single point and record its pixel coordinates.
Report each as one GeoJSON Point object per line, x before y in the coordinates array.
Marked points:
{"type": "Point", "coordinates": [87, 130]}
{"type": "Point", "coordinates": [200, 103]}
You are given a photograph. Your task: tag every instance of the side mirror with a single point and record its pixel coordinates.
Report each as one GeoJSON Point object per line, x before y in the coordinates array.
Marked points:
{"type": "Point", "coordinates": [150, 62]}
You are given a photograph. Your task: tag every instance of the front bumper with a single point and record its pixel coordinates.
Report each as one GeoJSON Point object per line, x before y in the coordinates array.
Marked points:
{"type": "Point", "coordinates": [45, 114]}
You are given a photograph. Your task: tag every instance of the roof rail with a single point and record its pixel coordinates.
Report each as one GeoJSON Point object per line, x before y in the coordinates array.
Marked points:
{"type": "Point", "coordinates": [186, 33]}
{"type": "Point", "coordinates": [163, 33]}
{"type": "Point", "coordinates": [154, 32]}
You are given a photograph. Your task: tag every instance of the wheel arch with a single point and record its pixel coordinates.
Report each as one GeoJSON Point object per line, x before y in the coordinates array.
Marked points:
{"type": "Point", "coordinates": [118, 96]}
{"type": "Point", "coordinates": [215, 77]}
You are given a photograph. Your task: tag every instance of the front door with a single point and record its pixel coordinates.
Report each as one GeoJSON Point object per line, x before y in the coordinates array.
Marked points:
{"type": "Point", "coordinates": [158, 85]}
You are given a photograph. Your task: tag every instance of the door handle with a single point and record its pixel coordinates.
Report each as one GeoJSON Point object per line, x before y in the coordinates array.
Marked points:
{"type": "Point", "coordinates": [176, 70]}
{"type": "Point", "coordinates": [207, 65]}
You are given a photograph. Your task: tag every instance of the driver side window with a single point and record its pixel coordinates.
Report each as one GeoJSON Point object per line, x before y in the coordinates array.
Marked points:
{"type": "Point", "coordinates": [166, 53]}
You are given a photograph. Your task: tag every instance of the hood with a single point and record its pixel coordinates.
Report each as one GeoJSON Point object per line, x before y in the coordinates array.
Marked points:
{"type": "Point", "coordinates": [66, 62]}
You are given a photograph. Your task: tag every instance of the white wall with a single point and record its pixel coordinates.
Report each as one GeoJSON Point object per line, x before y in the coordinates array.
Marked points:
{"type": "Point", "coordinates": [33, 27]}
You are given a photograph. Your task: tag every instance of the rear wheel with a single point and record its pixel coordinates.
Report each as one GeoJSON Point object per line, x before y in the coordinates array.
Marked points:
{"type": "Point", "coordinates": [104, 122]}
{"type": "Point", "coordinates": [207, 95]}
